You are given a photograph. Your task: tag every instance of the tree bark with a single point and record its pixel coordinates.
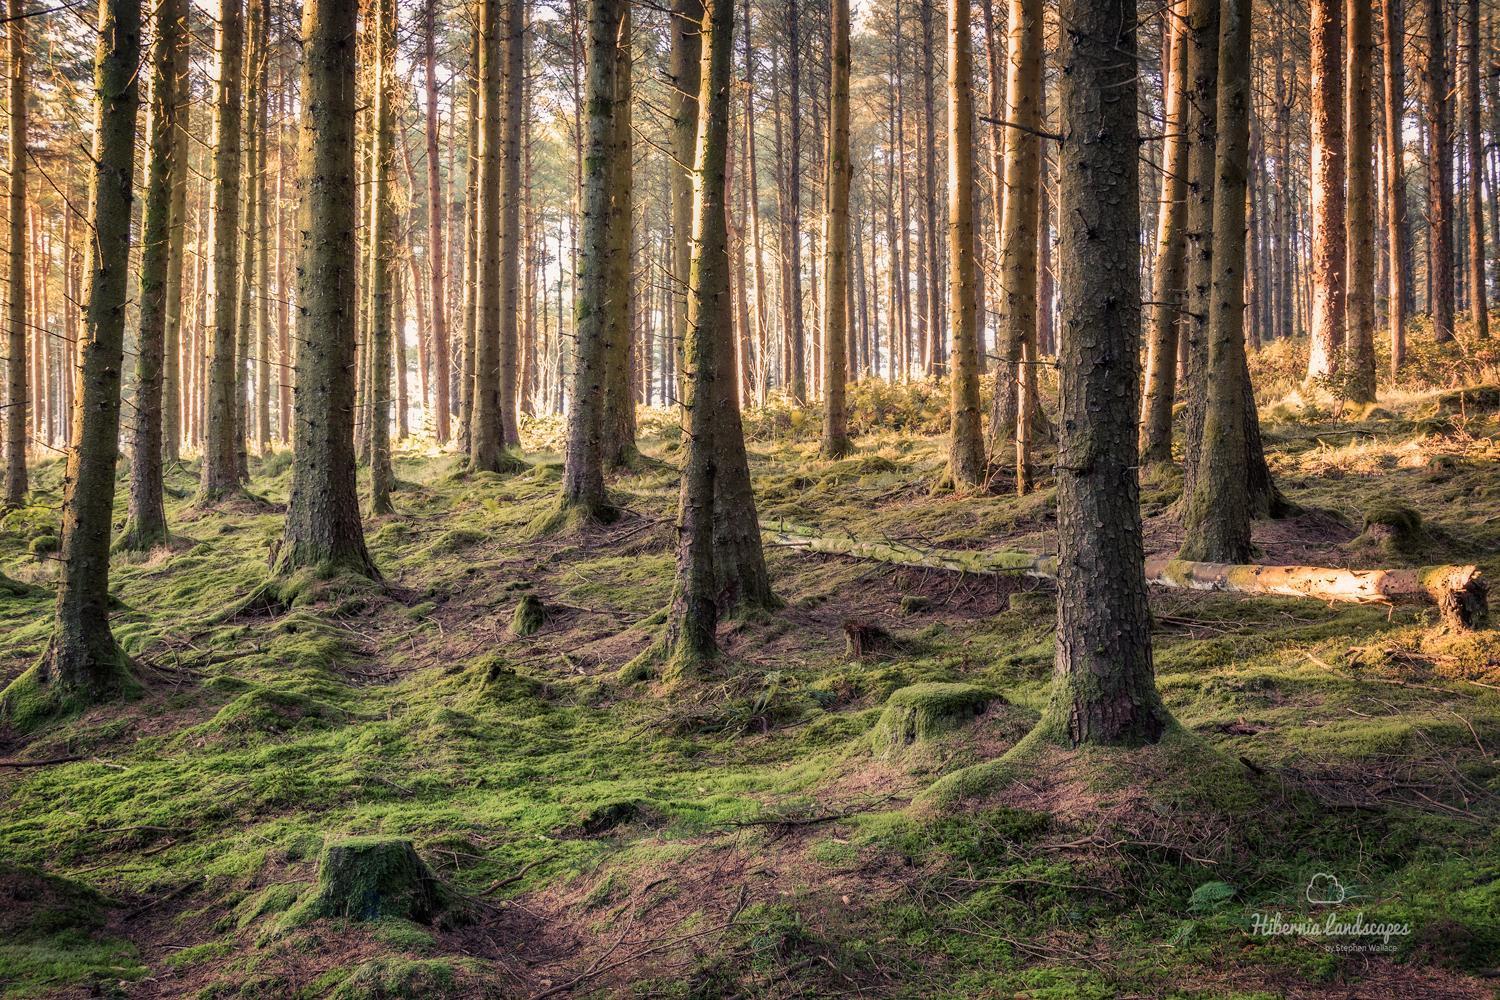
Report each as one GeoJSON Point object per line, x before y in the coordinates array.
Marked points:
{"type": "Point", "coordinates": [441, 360]}
{"type": "Point", "coordinates": [1359, 50]}
{"type": "Point", "coordinates": [146, 517]}
{"type": "Point", "coordinates": [220, 450]}
{"type": "Point", "coordinates": [511, 304]}
{"type": "Point", "coordinates": [836, 240]}
{"type": "Point", "coordinates": [1103, 689]}
{"type": "Point", "coordinates": [1167, 291]}
{"type": "Point", "coordinates": [1478, 299]}
{"type": "Point", "coordinates": [619, 392]}
{"type": "Point", "coordinates": [82, 661]}
{"type": "Point", "coordinates": [1329, 250]}
{"type": "Point", "coordinates": [1202, 37]}
{"type": "Point", "coordinates": [383, 261]}
{"type": "Point", "coordinates": [323, 528]}
{"type": "Point", "coordinates": [966, 441]}
{"type": "Point", "coordinates": [683, 70]}
{"type": "Point", "coordinates": [1439, 175]}
{"type": "Point", "coordinates": [17, 402]}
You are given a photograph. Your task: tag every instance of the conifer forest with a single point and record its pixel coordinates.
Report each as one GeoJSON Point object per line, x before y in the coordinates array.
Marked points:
{"type": "Point", "coordinates": [749, 499]}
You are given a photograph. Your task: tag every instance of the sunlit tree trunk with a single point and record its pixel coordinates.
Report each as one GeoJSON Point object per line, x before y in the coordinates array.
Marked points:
{"type": "Point", "coordinates": [1439, 175]}
{"type": "Point", "coordinates": [82, 662]}
{"type": "Point", "coordinates": [1393, 79]}
{"type": "Point", "coordinates": [619, 393]}
{"type": "Point", "coordinates": [1201, 35]}
{"type": "Point", "coordinates": [146, 518]}
{"type": "Point", "coordinates": [383, 260]}
{"type": "Point", "coordinates": [441, 360]}
{"type": "Point", "coordinates": [323, 526]}
{"type": "Point", "coordinates": [836, 240]}
{"type": "Point", "coordinates": [966, 444]}
{"type": "Point", "coordinates": [220, 449]}
{"type": "Point", "coordinates": [683, 69]}
{"type": "Point", "coordinates": [1359, 52]}
{"type": "Point", "coordinates": [1329, 249]}
{"type": "Point", "coordinates": [1478, 300]}
{"type": "Point", "coordinates": [514, 50]}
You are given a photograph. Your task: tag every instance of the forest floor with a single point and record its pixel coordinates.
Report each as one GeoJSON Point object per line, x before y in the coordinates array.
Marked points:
{"type": "Point", "coordinates": [742, 837]}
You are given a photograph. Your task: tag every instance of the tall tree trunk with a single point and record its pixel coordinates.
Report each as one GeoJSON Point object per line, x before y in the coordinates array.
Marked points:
{"type": "Point", "coordinates": [82, 662]}
{"type": "Point", "coordinates": [1329, 249]}
{"type": "Point", "coordinates": [761, 334]}
{"type": "Point", "coordinates": [250, 289]}
{"type": "Point", "coordinates": [694, 615]}
{"type": "Point", "coordinates": [1439, 175]}
{"type": "Point", "coordinates": [1167, 291]}
{"type": "Point", "coordinates": [220, 449]}
{"type": "Point", "coordinates": [1018, 231]}
{"type": "Point", "coordinates": [16, 395]}
{"type": "Point", "coordinates": [260, 230]}
{"type": "Point", "coordinates": [1202, 37]}
{"type": "Point", "coordinates": [619, 394]}
{"type": "Point", "coordinates": [932, 334]}
{"type": "Point", "coordinates": [510, 225]}
{"type": "Point", "coordinates": [1216, 516]}
{"type": "Point", "coordinates": [966, 441]}
{"type": "Point", "coordinates": [441, 361]}
{"type": "Point", "coordinates": [795, 334]}
{"type": "Point", "coordinates": [1478, 300]}
{"type": "Point", "coordinates": [836, 240]}
{"type": "Point", "coordinates": [1359, 51]}
{"type": "Point", "coordinates": [383, 261]}
{"type": "Point", "coordinates": [583, 493]}
{"type": "Point", "coordinates": [1103, 689]}
{"type": "Point", "coordinates": [174, 372]}
{"type": "Point", "coordinates": [323, 528]}
{"type": "Point", "coordinates": [683, 70]}
{"type": "Point", "coordinates": [1393, 23]}
{"type": "Point", "coordinates": [471, 255]}
{"type": "Point", "coordinates": [146, 520]}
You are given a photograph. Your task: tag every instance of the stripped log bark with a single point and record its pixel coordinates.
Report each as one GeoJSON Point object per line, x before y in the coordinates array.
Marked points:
{"type": "Point", "coordinates": [1460, 593]}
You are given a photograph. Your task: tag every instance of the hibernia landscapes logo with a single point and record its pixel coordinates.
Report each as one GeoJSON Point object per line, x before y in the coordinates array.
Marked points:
{"type": "Point", "coordinates": [1339, 930]}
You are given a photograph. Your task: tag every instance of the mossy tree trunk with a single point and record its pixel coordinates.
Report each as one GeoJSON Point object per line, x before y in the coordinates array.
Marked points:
{"type": "Point", "coordinates": [583, 470]}
{"type": "Point", "coordinates": [1359, 222]}
{"type": "Point", "coordinates": [693, 622]}
{"type": "Point", "coordinates": [146, 521]}
{"type": "Point", "coordinates": [514, 52]}
{"type": "Point", "coordinates": [1216, 516]}
{"type": "Point", "coordinates": [383, 260]}
{"type": "Point", "coordinates": [82, 660]}
{"type": "Point", "coordinates": [17, 402]}
{"type": "Point", "coordinates": [966, 442]}
{"type": "Point", "coordinates": [323, 527]}
{"type": "Point", "coordinates": [1104, 688]}
{"type": "Point", "coordinates": [1328, 240]}
{"type": "Point", "coordinates": [619, 390]}
{"type": "Point", "coordinates": [683, 69]}
{"type": "Point", "coordinates": [220, 473]}
{"type": "Point", "coordinates": [836, 241]}
{"type": "Point", "coordinates": [1020, 201]}
{"type": "Point", "coordinates": [1167, 291]}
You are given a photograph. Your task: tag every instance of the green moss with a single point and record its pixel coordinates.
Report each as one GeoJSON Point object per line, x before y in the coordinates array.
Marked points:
{"type": "Point", "coordinates": [412, 979]}
{"type": "Point", "coordinates": [529, 617]}
{"type": "Point", "coordinates": [923, 712]}
{"type": "Point", "coordinates": [366, 878]}
{"type": "Point", "coordinates": [273, 899]}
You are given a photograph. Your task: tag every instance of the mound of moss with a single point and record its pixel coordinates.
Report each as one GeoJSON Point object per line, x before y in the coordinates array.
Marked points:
{"type": "Point", "coordinates": [1392, 528]}
{"type": "Point", "coordinates": [923, 712]}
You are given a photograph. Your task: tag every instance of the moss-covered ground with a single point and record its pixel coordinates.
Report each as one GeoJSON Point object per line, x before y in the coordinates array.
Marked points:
{"type": "Point", "coordinates": [742, 837]}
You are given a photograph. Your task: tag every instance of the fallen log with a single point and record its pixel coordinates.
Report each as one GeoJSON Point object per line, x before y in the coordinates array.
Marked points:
{"type": "Point", "coordinates": [1460, 593]}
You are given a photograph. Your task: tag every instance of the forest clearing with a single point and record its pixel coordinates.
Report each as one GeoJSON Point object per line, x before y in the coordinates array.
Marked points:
{"type": "Point", "coordinates": [543, 498]}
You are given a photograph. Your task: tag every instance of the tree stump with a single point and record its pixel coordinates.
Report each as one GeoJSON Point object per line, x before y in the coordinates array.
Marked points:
{"type": "Point", "coordinates": [866, 639]}
{"type": "Point", "coordinates": [530, 616]}
{"type": "Point", "coordinates": [924, 712]}
{"type": "Point", "coordinates": [365, 878]}
{"type": "Point", "coordinates": [1393, 528]}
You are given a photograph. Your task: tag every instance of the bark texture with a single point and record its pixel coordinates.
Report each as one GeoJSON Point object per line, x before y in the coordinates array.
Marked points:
{"type": "Point", "coordinates": [966, 442]}
{"type": "Point", "coordinates": [836, 242]}
{"type": "Point", "coordinates": [17, 401]}
{"type": "Point", "coordinates": [1359, 50]}
{"type": "Point", "coordinates": [1104, 688]}
{"type": "Point", "coordinates": [1329, 249]}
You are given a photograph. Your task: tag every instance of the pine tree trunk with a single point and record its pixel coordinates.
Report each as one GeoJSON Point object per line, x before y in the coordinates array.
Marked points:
{"type": "Point", "coordinates": [796, 336]}
{"type": "Point", "coordinates": [1393, 23]}
{"type": "Point", "coordinates": [323, 527]}
{"type": "Point", "coordinates": [1216, 515]}
{"type": "Point", "coordinates": [16, 390]}
{"type": "Point", "coordinates": [583, 471]}
{"type": "Point", "coordinates": [1329, 249]}
{"type": "Point", "coordinates": [761, 335]}
{"type": "Point", "coordinates": [1104, 689]}
{"type": "Point", "coordinates": [836, 241]}
{"type": "Point", "coordinates": [619, 393]}
{"type": "Point", "coordinates": [683, 70]}
{"type": "Point", "coordinates": [384, 268]}
{"type": "Point", "coordinates": [471, 255]}
{"type": "Point", "coordinates": [250, 191]}
{"type": "Point", "coordinates": [1202, 37]}
{"type": "Point", "coordinates": [83, 662]}
{"type": "Point", "coordinates": [1478, 300]}
{"type": "Point", "coordinates": [258, 260]}
{"type": "Point", "coordinates": [932, 334]}
{"type": "Point", "coordinates": [966, 442]}
{"type": "Point", "coordinates": [1439, 175]}
{"type": "Point", "coordinates": [510, 225]}
{"type": "Point", "coordinates": [441, 361]}
{"type": "Point", "coordinates": [1167, 291]}
{"type": "Point", "coordinates": [146, 520]}
{"type": "Point", "coordinates": [1359, 51]}
{"type": "Point", "coordinates": [694, 615]}
{"type": "Point", "coordinates": [220, 450]}
{"type": "Point", "coordinates": [174, 371]}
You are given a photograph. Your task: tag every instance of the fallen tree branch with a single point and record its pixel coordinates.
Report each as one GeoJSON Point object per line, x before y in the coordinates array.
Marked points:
{"type": "Point", "coordinates": [1459, 592]}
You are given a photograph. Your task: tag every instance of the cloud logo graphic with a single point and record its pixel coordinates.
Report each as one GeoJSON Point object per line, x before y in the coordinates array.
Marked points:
{"type": "Point", "coordinates": [1324, 889]}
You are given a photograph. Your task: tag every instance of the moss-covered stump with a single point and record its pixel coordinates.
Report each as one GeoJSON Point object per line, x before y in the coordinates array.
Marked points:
{"type": "Point", "coordinates": [366, 878]}
{"type": "Point", "coordinates": [923, 712]}
{"type": "Point", "coordinates": [1393, 528]}
{"type": "Point", "coordinates": [1469, 400]}
{"type": "Point", "coordinates": [530, 616]}
{"type": "Point", "coordinates": [865, 640]}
